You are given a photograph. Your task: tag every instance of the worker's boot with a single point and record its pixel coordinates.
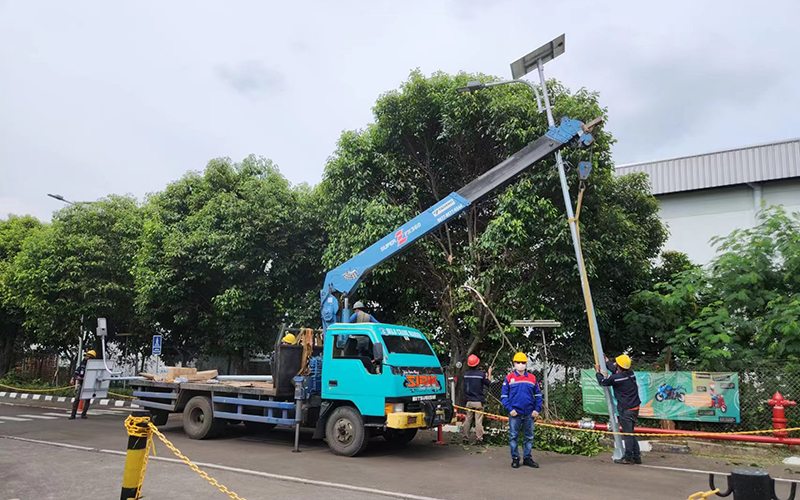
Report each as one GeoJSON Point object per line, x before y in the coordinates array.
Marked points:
{"type": "Point", "coordinates": [637, 460]}
{"type": "Point", "coordinates": [530, 463]}
{"type": "Point", "coordinates": [515, 463]}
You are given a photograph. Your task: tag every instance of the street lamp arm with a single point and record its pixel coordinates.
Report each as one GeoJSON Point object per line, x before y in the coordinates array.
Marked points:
{"type": "Point", "coordinates": [473, 86]}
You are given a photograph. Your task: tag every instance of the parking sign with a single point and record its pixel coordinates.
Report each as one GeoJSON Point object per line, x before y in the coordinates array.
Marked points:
{"type": "Point", "coordinates": [156, 344]}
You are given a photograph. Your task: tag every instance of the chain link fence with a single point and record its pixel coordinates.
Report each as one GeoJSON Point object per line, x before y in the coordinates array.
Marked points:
{"type": "Point", "coordinates": [756, 386]}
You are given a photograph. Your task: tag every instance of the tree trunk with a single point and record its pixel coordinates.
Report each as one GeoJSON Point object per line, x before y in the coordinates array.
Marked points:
{"type": "Point", "coordinates": [7, 342]}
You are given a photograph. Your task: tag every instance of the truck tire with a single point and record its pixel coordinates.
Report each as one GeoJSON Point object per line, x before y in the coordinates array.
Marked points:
{"type": "Point", "coordinates": [258, 426]}
{"type": "Point", "coordinates": [345, 432]}
{"type": "Point", "coordinates": [399, 437]}
{"type": "Point", "coordinates": [198, 419]}
{"type": "Point", "coordinates": [159, 417]}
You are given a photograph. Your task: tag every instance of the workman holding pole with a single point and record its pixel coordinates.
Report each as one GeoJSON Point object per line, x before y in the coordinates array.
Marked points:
{"type": "Point", "coordinates": [475, 383]}
{"type": "Point", "coordinates": [522, 399]}
{"type": "Point", "coordinates": [77, 380]}
{"type": "Point", "coordinates": [626, 390]}
{"type": "Point", "coordinates": [360, 314]}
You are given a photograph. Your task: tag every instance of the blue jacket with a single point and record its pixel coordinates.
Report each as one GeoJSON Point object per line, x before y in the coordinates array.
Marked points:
{"type": "Point", "coordinates": [521, 393]}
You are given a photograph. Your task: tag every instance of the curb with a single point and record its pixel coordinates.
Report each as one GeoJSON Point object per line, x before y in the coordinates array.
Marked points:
{"type": "Point", "coordinates": [116, 403]}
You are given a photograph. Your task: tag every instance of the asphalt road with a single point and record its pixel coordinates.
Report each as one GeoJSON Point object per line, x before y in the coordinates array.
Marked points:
{"type": "Point", "coordinates": [44, 455]}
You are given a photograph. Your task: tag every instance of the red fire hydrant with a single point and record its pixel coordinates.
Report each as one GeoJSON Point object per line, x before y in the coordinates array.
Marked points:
{"type": "Point", "coordinates": [779, 405]}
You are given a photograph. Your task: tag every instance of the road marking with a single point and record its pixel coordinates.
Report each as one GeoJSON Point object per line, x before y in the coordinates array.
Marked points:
{"type": "Point", "coordinates": [62, 399]}
{"type": "Point", "coordinates": [57, 414]}
{"type": "Point", "coordinates": [705, 472]}
{"type": "Point", "coordinates": [24, 396]}
{"type": "Point", "coordinates": [37, 397]}
{"type": "Point", "coordinates": [119, 403]}
{"type": "Point", "coordinates": [103, 402]}
{"type": "Point", "coordinates": [278, 477]}
{"type": "Point", "coordinates": [15, 419]}
{"type": "Point", "coordinates": [2, 394]}
{"type": "Point", "coordinates": [12, 395]}
{"type": "Point", "coordinates": [48, 398]}
{"type": "Point", "coordinates": [43, 417]}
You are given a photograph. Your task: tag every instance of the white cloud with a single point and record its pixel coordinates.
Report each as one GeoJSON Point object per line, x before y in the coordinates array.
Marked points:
{"type": "Point", "coordinates": [109, 97]}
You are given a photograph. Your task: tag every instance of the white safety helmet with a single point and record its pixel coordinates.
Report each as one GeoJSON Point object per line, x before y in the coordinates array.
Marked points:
{"type": "Point", "coordinates": [358, 305]}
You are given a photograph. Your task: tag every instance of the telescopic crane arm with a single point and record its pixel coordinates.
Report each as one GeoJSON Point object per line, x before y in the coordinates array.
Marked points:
{"type": "Point", "coordinates": [345, 278]}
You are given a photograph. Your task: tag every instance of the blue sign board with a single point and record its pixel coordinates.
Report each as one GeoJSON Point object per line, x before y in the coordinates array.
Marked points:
{"type": "Point", "coordinates": [156, 344]}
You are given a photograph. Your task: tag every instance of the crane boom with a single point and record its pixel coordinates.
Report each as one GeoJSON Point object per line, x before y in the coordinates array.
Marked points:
{"type": "Point", "coordinates": [345, 278]}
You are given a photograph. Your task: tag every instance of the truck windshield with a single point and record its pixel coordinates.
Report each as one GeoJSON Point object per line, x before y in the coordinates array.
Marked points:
{"type": "Point", "coordinates": [406, 345]}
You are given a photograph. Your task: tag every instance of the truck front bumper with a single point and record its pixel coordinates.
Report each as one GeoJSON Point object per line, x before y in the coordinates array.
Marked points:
{"type": "Point", "coordinates": [434, 413]}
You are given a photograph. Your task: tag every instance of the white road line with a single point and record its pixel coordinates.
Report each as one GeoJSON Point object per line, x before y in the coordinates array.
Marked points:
{"type": "Point", "coordinates": [15, 419]}
{"type": "Point", "coordinates": [278, 477]}
{"type": "Point", "coordinates": [705, 472]}
{"type": "Point", "coordinates": [57, 414]}
{"type": "Point", "coordinates": [43, 417]}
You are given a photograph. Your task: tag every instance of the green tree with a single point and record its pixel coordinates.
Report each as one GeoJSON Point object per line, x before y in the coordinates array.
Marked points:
{"type": "Point", "coordinates": [224, 253]}
{"type": "Point", "coordinates": [429, 140]}
{"type": "Point", "coordinates": [741, 310]}
{"type": "Point", "coordinates": [79, 269]}
{"type": "Point", "coordinates": [13, 233]}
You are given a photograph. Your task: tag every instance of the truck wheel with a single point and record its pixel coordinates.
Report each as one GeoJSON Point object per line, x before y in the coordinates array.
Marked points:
{"type": "Point", "coordinates": [159, 417]}
{"type": "Point", "coordinates": [258, 426]}
{"type": "Point", "coordinates": [399, 437]}
{"type": "Point", "coordinates": [198, 419]}
{"type": "Point", "coordinates": [346, 433]}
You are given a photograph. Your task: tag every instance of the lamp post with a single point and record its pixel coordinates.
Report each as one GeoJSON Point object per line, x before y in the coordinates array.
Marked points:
{"type": "Point", "coordinates": [60, 198]}
{"type": "Point", "coordinates": [519, 68]}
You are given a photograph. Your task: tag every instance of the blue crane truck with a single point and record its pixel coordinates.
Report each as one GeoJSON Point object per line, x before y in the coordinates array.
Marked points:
{"type": "Point", "coordinates": [364, 379]}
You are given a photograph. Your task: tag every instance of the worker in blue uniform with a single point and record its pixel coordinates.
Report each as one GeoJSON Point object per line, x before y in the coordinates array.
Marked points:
{"type": "Point", "coordinates": [623, 381]}
{"type": "Point", "coordinates": [522, 399]}
{"type": "Point", "coordinates": [360, 314]}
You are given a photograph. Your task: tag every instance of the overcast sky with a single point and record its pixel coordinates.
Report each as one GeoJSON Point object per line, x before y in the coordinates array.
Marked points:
{"type": "Point", "coordinates": [124, 97]}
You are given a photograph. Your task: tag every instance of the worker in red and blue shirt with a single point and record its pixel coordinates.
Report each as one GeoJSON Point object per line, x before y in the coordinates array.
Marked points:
{"type": "Point", "coordinates": [522, 399]}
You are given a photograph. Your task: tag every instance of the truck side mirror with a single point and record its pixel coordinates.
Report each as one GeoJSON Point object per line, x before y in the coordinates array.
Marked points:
{"type": "Point", "coordinates": [377, 352]}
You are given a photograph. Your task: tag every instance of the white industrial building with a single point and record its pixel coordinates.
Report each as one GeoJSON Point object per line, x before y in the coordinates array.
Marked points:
{"type": "Point", "coordinates": [712, 194]}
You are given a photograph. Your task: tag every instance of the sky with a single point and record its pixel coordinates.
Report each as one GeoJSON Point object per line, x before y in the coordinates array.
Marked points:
{"type": "Point", "coordinates": [125, 97]}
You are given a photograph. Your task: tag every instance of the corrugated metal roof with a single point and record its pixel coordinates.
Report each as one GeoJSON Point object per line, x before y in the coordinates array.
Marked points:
{"type": "Point", "coordinates": [762, 162]}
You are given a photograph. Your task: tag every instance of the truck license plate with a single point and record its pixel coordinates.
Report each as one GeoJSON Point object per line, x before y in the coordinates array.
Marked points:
{"type": "Point", "coordinates": [424, 398]}
{"type": "Point", "coordinates": [412, 420]}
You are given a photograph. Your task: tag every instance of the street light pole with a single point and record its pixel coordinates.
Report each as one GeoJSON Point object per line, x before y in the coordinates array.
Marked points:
{"type": "Point", "coordinates": [60, 198]}
{"type": "Point", "coordinates": [521, 67]}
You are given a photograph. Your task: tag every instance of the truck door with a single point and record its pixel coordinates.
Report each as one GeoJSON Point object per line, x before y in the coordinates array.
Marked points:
{"type": "Point", "coordinates": [350, 374]}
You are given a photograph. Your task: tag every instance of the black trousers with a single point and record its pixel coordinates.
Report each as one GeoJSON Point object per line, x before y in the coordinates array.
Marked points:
{"type": "Point", "coordinates": [627, 421]}
{"type": "Point", "coordinates": [76, 402]}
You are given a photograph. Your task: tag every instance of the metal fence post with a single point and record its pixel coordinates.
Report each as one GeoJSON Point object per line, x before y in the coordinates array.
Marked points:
{"type": "Point", "coordinates": [298, 411]}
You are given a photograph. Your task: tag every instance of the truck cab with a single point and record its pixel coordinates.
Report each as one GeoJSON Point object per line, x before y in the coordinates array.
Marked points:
{"type": "Point", "coordinates": [390, 375]}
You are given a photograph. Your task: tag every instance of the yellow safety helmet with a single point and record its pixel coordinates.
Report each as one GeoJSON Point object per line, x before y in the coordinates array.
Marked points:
{"type": "Point", "coordinates": [520, 357]}
{"type": "Point", "coordinates": [623, 361]}
{"type": "Point", "coordinates": [91, 353]}
{"type": "Point", "coordinates": [289, 338]}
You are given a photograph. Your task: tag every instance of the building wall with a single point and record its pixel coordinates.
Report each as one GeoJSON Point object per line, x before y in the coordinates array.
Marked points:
{"type": "Point", "coordinates": [694, 217]}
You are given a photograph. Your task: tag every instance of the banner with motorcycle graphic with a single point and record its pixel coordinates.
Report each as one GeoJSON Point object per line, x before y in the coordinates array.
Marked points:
{"type": "Point", "coordinates": [693, 396]}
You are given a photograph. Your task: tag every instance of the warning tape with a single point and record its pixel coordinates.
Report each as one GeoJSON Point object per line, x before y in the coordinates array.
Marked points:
{"type": "Point", "coordinates": [649, 434]}
{"type": "Point", "coordinates": [37, 390]}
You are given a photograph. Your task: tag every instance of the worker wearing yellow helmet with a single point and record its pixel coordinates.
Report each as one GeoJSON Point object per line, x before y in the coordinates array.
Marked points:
{"type": "Point", "coordinates": [626, 390]}
{"type": "Point", "coordinates": [77, 381]}
{"type": "Point", "coordinates": [288, 339]}
{"type": "Point", "coordinates": [522, 399]}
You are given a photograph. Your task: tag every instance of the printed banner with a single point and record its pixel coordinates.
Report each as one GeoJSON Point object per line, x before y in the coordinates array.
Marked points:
{"type": "Point", "coordinates": [693, 396]}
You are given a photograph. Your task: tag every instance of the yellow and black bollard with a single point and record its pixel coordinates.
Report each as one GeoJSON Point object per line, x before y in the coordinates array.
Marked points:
{"type": "Point", "coordinates": [138, 427]}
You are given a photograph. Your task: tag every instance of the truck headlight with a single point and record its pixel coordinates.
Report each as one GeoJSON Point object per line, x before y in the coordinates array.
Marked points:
{"type": "Point", "coordinates": [394, 408]}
